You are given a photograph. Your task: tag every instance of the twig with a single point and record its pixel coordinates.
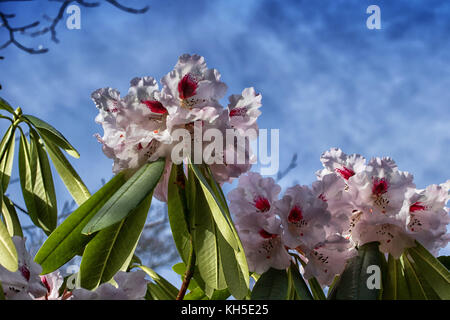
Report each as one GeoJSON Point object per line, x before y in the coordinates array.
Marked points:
{"type": "Point", "coordinates": [291, 166]}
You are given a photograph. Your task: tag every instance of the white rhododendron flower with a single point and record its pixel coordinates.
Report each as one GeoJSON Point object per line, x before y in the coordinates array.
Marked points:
{"type": "Point", "coordinates": [352, 203]}
{"type": "Point", "coordinates": [130, 286]}
{"type": "Point", "coordinates": [53, 282]}
{"type": "Point", "coordinates": [427, 216]}
{"type": "Point", "coordinates": [143, 126]}
{"type": "Point", "coordinates": [261, 239]}
{"type": "Point", "coordinates": [303, 216]}
{"type": "Point", "coordinates": [336, 161]}
{"type": "Point", "coordinates": [328, 259]}
{"type": "Point", "coordinates": [25, 283]}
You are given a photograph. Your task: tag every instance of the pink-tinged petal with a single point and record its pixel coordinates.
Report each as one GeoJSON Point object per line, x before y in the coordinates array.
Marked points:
{"type": "Point", "coordinates": [187, 86]}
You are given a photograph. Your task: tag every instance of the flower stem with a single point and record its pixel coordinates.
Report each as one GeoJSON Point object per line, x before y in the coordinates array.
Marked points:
{"type": "Point", "coordinates": [188, 274]}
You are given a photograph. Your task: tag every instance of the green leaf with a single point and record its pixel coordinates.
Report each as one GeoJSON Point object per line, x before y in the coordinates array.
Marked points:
{"type": "Point", "coordinates": [112, 248]}
{"type": "Point", "coordinates": [51, 134]}
{"type": "Point", "coordinates": [68, 175]}
{"type": "Point", "coordinates": [36, 183]}
{"type": "Point", "coordinates": [67, 240]}
{"type": "Point", "coordinates": [10, 218]}
{"type": "Point", "coordinates": [433, 271]}
{"type": "Point", "coordinates": [128, 197]}
{"type": "Point", "coordinates": [218, 211]}
{"type": "Point", "coordinates": [8, 253]}
{"type": "Point", "coordinates": [157, 293]}
{"type": "Point", "coordinates": [6, 157]}
{"type": "Point", "coordinates": [165, 285]}
{"type": "Point", "coordinates": [299, 284]}
{"type": "Point", "coordinates": [4, 105]}
{"type": "Point", "coordinates": [272, 285]}
{"type": "Point", "coordinates": [352, 284]}
{"type": "Point", "coordinates": [416, 289]}
{"type": "Point", "coordinates": [206, 244]}
{"type": "Point", "coordinates": [396, 286]}
{"type": "Point", "coordinates": [43, 187]}
{"type": "Point", "coordinates": [178, 212]}
{"type": "Point", "coordinates": [236, 280]}
{"type": "Point", "coordinates": [316, 289]}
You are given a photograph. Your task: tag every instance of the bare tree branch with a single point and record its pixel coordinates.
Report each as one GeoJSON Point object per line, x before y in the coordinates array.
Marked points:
{"type": "Point", "coordinates": [292, 165]}
{"type": "Point", "coordinates": [4, 17]}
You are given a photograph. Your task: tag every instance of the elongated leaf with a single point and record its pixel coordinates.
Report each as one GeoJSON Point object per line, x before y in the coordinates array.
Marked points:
{"type": "Point", "coordinates": [416, 289]}
{"type": "Point", "coordinates": [111, 249]}
{"type": "Point", "coordinates": [178, 212]}
{"type": "Point", "coordinates": [165, 285]}
{"type": "Point", "coordinates": [128, 197]}
{"type": "Point", "coordinates": [4, 105]}
{"type": "Point", "coordinates": [218, 211]}
{"type": "Point", "coordinates": [300, 286]}
{"type": "Point", "coordinates": [235, 279]}
{"type": "Point", "coordinates": [353, 282]}
{"type": "Point", "coordinates": [206, 244]}
{"type": "Point", "coordinates": [38, 200]}
{"type": "Point", "coordinates": [6, 157]}
{"type": "Point", "coordinates": [51, 134]}
{"type": "Point", "coordinates": [316, 289]}
{"type": "Point", "coordinates": [67, 240]}
{"type": "Point", "coordinates": [69, 176]}
{"type": "Point", "coordinates": [10, 218]}
{"type": "Point", "coordinates": [157, 293]}
{"type": "Point", "coordinates": [239, 254]}
{"type": "Point", "coordinates": [433, 271]}
{"type": "Point", "coordinates": [8, 253]}
{"type": "Point", "coordinates": [43, 187]}
{"type": "Point", "coordinates": [272, 285]}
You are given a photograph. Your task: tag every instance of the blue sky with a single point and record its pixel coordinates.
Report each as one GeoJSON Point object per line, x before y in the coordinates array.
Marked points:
{"type": "Point", "coordinates": [326, 80]}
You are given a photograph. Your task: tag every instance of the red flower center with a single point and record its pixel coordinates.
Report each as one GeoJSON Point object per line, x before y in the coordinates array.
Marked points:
{"type": "Point", "coordinates": [346, 173]}
{"type": "Point", "coordinates": [267, 235]}
{"type": "Point", "coordinates": [262, 204]}
{"type": "Point", "coordinates": [155, 106]}
{"type": "Point", "coordinates": [380, 186]}
{"type": "Point", "coordinates": [237, 112]}
{"type": "Point", "coordinates": [416, 206]}
{"type": "Point", "coordinates": [187, 86]}
{"type": "Point", "coordinates": [25, 272]}
{"type": "Point", "coordinates": [45, 283]}
{"type": "Point", "coordinates": [295, 215]}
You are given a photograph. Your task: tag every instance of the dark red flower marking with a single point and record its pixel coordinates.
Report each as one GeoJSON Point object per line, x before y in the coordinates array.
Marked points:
{"type": "Point", "coordinates": [238, 112]}
{"type": "Point", "coordinates": [139, 146]}
{"type": "Point", "coordinates": [346, 173]}
{"type": "Point", "coordinates": [187, 86]}
{"type": "Point", "coordinates": [416, 206]}
{"type": "Point", "coordinates": [45, 283]}
{"type": "Point", "coordinates": [25, 272]}
{"type": "Point", "coordinates": [155, 106]}
{"type": "Point", "coordinates": [295, 215]}
{"type": "Point", "coordinates": [380, 186]}
{"type": "Point", "coordinates": [262, 204]}
{"type": "Point", "coordinates": [267, 235]}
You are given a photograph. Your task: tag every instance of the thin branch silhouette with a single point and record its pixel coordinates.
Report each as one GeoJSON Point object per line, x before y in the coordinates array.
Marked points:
{"type": "Point", "coordinates": [27, 29]}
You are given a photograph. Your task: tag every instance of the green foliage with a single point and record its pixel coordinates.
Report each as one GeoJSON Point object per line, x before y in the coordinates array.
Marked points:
{"type": "Point", "coordinates": [352, 283]}
{"type": "Point", "coordinates": [67, 240]}
{"type": "Point", "coordinates": [128, 197]}
{"type": "Point", "coordinates": [272, 285]}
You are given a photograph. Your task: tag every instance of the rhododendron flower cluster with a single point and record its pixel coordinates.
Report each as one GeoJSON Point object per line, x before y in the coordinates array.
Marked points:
{"type": "Point", "coordinates": [27, 284]}
{"type": "Point", "coordinates": [353, 202]}
{"type": "Point", "coordinates": [141, 127]}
